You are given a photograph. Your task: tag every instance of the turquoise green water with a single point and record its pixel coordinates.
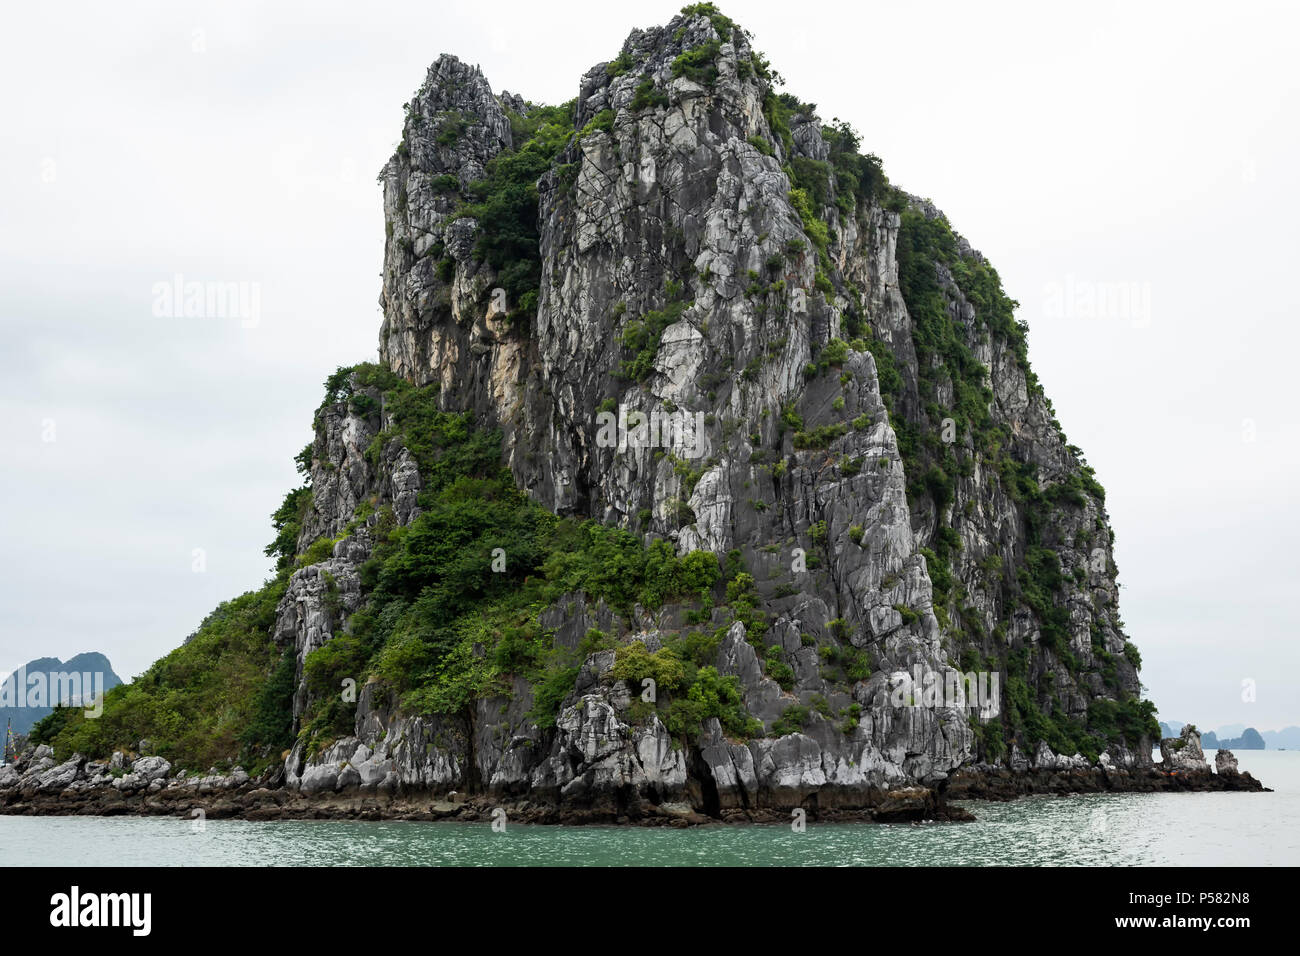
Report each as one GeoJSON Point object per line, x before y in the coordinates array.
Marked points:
{"type": "Point", "coordinates": [1215, 829]}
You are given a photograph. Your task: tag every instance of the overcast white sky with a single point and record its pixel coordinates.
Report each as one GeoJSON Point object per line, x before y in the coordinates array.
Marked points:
{"type": "Point", "coordinates": [1092, 148]}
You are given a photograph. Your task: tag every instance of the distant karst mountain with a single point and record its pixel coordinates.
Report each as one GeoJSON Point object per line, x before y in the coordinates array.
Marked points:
{"type": "Point", "coordinates": [1249, 739]}
{"type": "Point", "coordinates": [31, 691]}
{"type": "Point", "coordinates": [1288, 738]}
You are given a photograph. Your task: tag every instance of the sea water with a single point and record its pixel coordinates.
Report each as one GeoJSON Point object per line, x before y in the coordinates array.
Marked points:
{"type": "Point", "coordinates": [1125, 829]}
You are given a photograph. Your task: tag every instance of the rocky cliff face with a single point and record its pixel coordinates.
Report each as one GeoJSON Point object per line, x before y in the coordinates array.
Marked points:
{"type": "Point", "coordinates": [856, 426]}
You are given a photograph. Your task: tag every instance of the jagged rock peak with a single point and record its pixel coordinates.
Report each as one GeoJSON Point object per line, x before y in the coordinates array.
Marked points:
{"type": "Point", "coordinates": [453, 84]}
{"type": "Point", "coordinates": [692, 53]}
{"type": "Point", "coordinates": [454, 123]}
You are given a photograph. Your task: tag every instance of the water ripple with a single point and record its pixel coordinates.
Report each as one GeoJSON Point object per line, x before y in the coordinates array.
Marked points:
{"type": "Point", "coordinates": [1218, 829]}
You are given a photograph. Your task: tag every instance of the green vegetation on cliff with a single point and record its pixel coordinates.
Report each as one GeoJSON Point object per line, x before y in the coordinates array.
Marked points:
{"type": "Point", "coordinates": [505, 203]}
{"type": "Point", "coordinates": [451, 613]}
{"type": "Point", "coordinates": [453, 599]}
{"type": "Point", "coordinates": [945, 430]}
{"type": "Point", "coordinates": [945, 364]}
{"type": "Point", "coordinates": [202, 704]}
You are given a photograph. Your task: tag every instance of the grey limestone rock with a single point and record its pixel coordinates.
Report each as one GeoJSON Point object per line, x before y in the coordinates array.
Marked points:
{"type": "Point", "coordinates": [684, 184]}
{"type": "Point", "coordinates": [1225, 762]}
{"type": "Point", "coordinates": [1183, 753]}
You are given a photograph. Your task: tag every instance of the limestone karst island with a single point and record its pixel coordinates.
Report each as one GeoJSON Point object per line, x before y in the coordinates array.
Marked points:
{"type": "Point", "coordinates": [702, 476]}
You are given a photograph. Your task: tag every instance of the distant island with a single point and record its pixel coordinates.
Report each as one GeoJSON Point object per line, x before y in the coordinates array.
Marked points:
{"type": "Point", "coordinates": [1247, 738]}
{"type": "Point", "coordinates": [31, 691]}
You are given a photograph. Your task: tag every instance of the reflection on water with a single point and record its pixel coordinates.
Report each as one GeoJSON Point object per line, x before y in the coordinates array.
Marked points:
{"type": "Point", "coordinates": [1217, 829]}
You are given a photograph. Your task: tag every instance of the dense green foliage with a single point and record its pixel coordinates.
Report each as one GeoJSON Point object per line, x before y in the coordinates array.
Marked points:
{"type": "Point", "coordinates": [287, 521]}
{"type": "Point", "coordinates": [202, 704]}
{"type": "Point", "coordinates": [451, 613]}
{"type": "Point", "coordinates": [722, 23]}
{"type": "Point", "coordinates": [699, 64]}
{"type": "Point", "coordinates": [505, 202]}
{"type": "Point", "coordinates": [619, 65]}
{"type": "Point", "coordinates": [1108, 720]}
{"type": "Point", "coordinates": [1040, 580]}
{"type": "Point", "coordinates": [453, 599]}
{"type": "Point", "coordinates": [686, 691]}
{"type": "Point", "coordinates": [642, 336]}
{"type": "Point", "coordinates": [647, 95]}
{"type": "Point", "coordinates": [602, 122]}
{"type": "Point", "coordinates": [271, 726]}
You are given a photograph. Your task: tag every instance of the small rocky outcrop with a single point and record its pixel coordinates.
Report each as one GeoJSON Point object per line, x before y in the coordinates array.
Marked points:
{"type": "Point", "coordinates": [1183, 754]}
{"type": "Point", "coordinates": [1225, 762]}
{"type": "Point", "coordinates": [1117, 770]}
